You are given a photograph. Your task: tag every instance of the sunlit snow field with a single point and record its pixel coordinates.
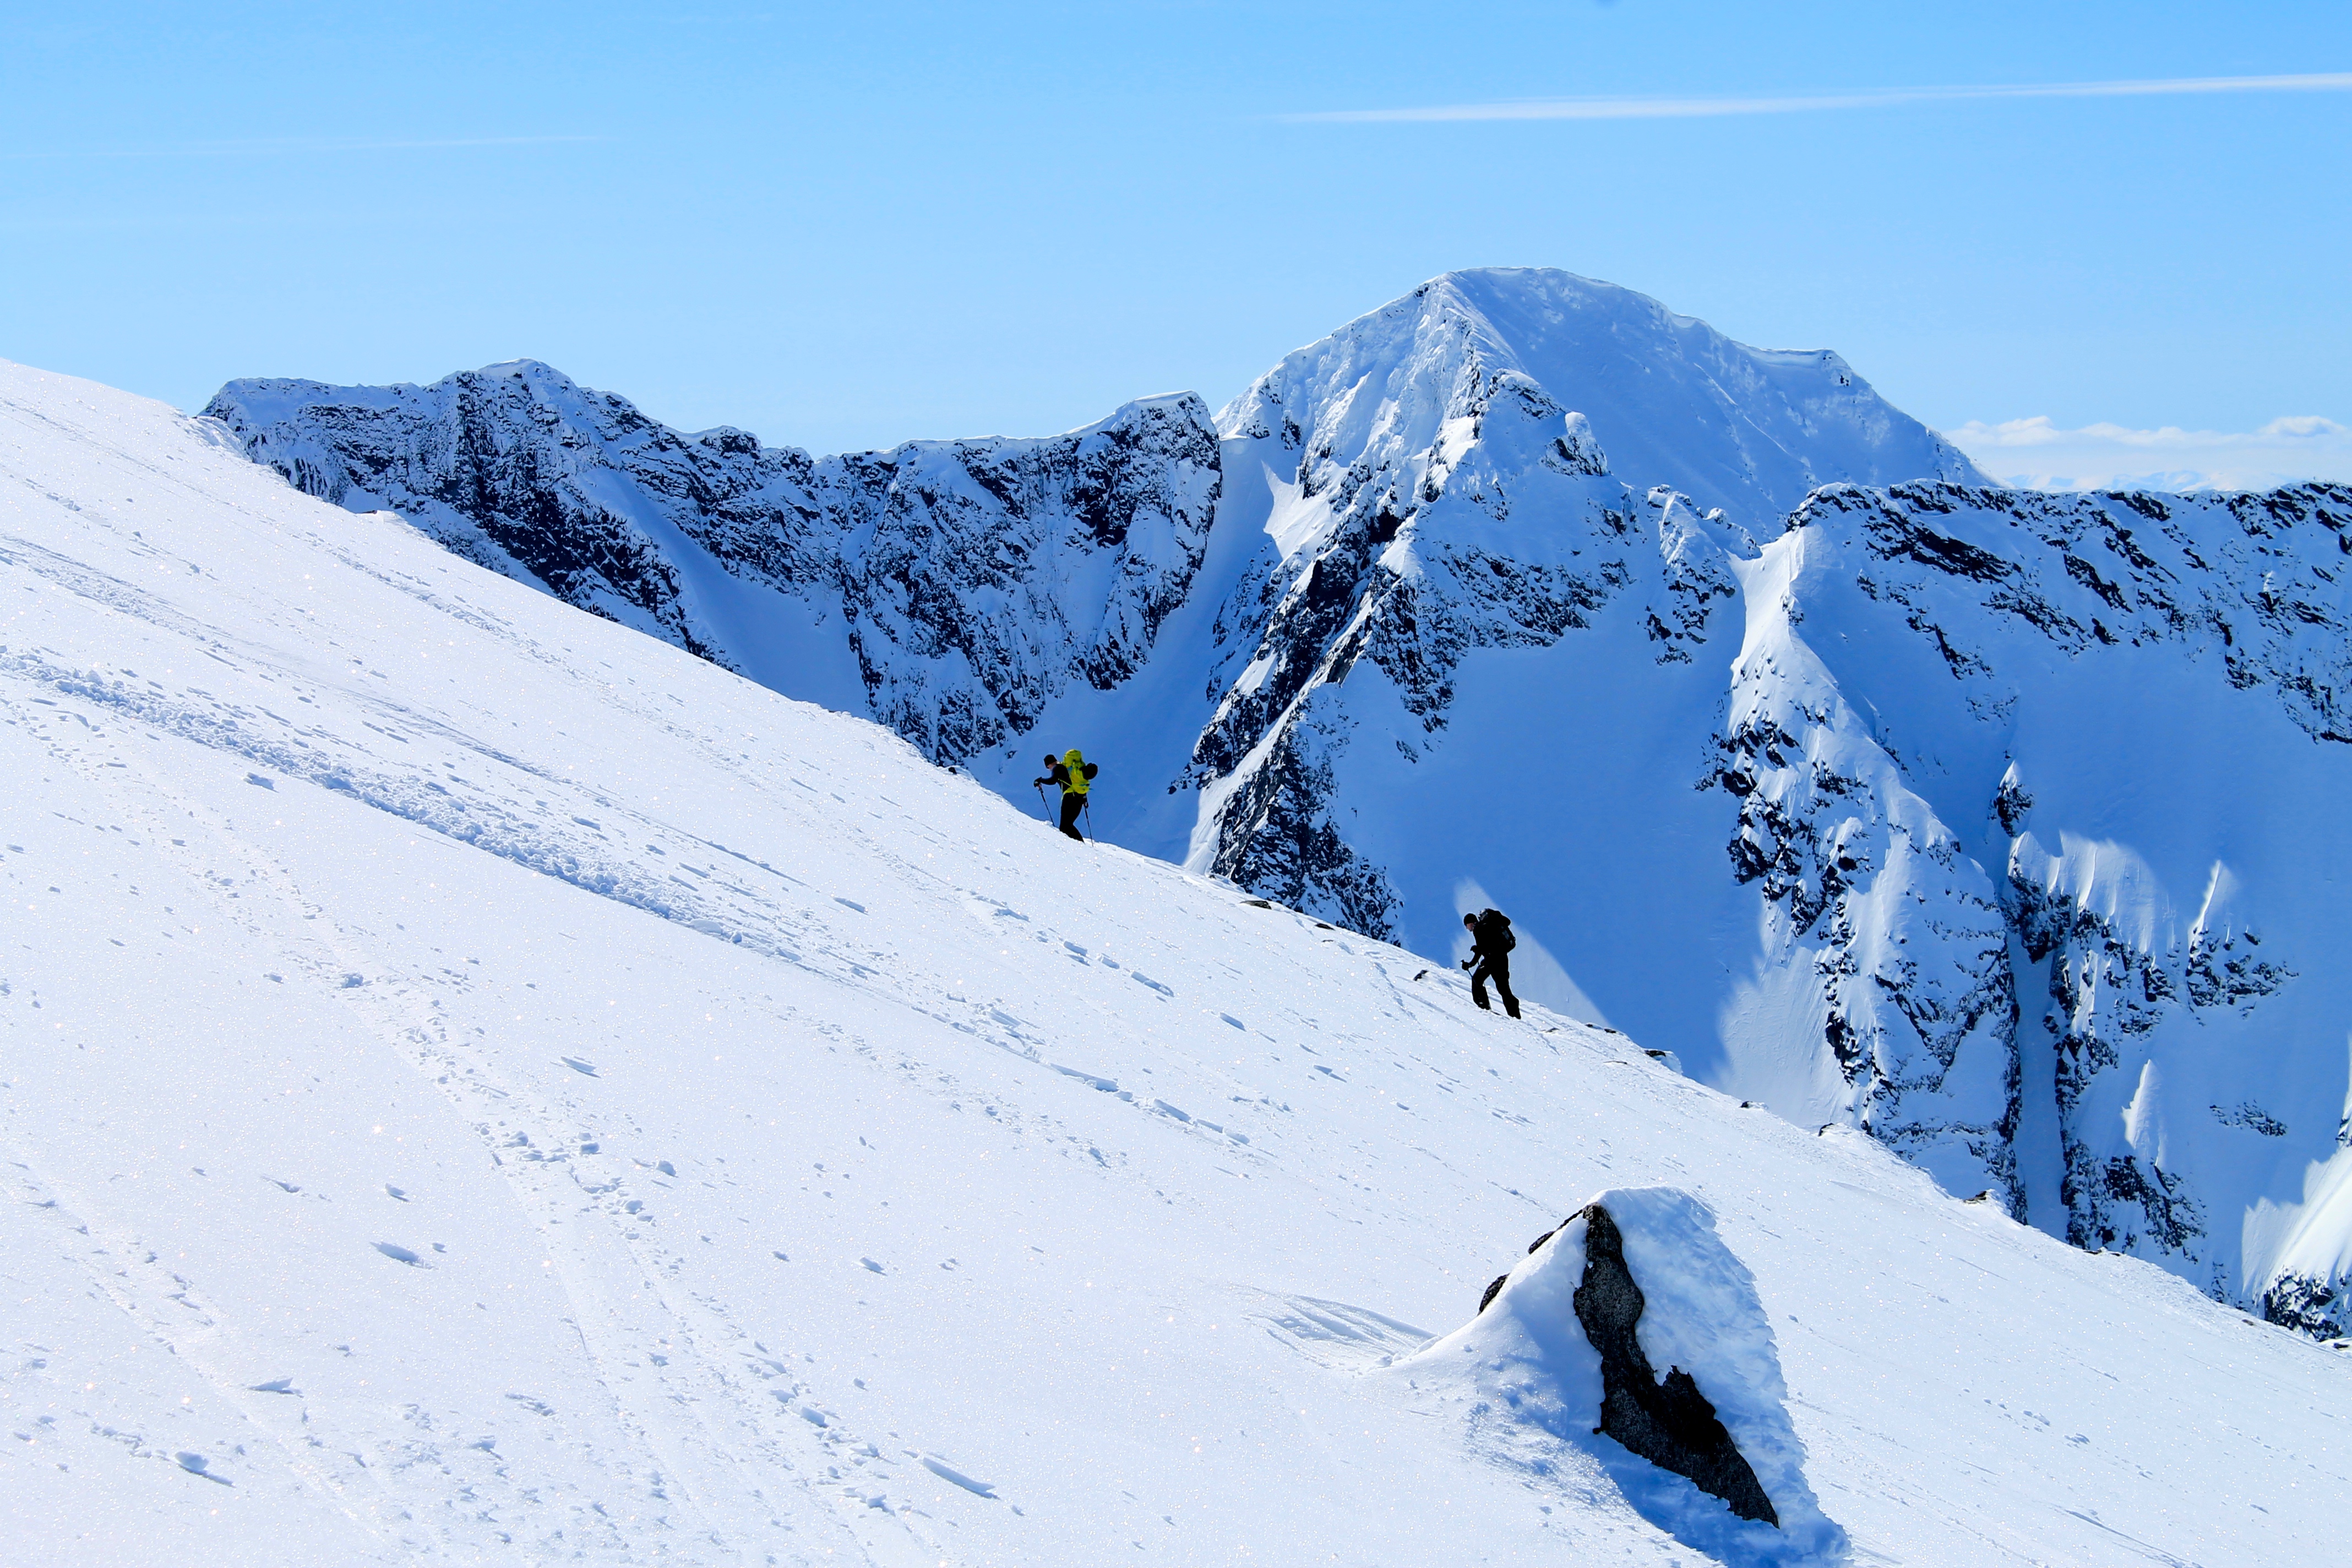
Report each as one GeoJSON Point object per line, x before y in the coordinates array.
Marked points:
{"type": "Point", "coordinates": [480, 1084]}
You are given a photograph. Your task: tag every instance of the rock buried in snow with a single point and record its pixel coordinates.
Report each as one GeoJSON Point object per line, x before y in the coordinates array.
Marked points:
{"type": "Point", "coordinates": [1668, 1422]}
{"type": "Point", "coordinates": [1557, 1380]}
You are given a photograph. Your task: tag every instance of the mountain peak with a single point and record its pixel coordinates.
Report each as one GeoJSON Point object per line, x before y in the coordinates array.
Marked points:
{"type": "Point", "coordinates": [1671, 399]}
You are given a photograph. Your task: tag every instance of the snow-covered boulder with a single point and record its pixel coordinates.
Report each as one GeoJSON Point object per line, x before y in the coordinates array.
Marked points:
{"type": "Point", "coordinates": [1631, 1344]}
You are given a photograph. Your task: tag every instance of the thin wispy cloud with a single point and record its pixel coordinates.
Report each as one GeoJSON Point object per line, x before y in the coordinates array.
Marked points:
{"type": "Point", "coordinates": [2039, 454]}
{"type": "Point", "coordinates": [300, 146]}
{"type": "Point", "coordinates": [1891, 98]}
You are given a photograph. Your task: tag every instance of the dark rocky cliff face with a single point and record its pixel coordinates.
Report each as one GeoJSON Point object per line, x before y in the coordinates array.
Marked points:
{"type": "Point", "coordinates": [966, 582]}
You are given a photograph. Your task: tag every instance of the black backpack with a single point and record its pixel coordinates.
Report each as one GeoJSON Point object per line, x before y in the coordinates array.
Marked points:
{"type": "Point", "coordinates": [1091, 772]}
{"type": "Point", "coordinates": [1494, 932]}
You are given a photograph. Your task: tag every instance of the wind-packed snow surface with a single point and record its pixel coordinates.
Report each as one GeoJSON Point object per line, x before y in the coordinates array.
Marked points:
{"type": "Point", "coordinates": [2007, 827]}
{"type": "Point", "coordinates": [480, 1084]}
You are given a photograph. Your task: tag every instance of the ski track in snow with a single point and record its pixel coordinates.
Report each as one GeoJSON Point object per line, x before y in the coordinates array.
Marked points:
{"type": "Point", "coordinates": [479, 1083]}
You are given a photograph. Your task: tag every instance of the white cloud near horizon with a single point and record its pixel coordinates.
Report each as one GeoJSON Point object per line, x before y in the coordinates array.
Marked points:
{"type": "Point", "coordinates": [2037, 454]}
{"type": "Point", "coordinates": [1706, 107]}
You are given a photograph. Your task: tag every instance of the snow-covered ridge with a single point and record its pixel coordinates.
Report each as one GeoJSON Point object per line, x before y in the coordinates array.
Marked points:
{"type": "Point", "coordinates": [480, 1085]}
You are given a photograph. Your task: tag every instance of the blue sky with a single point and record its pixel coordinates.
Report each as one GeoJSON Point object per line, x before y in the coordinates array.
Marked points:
{"type": "Point", "coordinates": [849, 225]}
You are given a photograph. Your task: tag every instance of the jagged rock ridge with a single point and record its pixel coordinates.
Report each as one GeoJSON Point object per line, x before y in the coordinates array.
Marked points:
{"type": "Point", "coordinates": [949, 589]}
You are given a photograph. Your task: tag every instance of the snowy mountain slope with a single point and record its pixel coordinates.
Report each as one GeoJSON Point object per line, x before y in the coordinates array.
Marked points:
{"type": "Point", "coordinates": [968, 594]}
{"type": "Point", "coordinates": [947, 588]}
{"type": "Point", "coordinates": [1522, 590]}
{"type": "Point", "coordinates": [479, 1081]}
{"type": "Point", "coordinates": [1492, 462]}
{"type": "Point", "coordinates": [1488, 463]}
{"type": "Point", "coordinates": [1747, 801]}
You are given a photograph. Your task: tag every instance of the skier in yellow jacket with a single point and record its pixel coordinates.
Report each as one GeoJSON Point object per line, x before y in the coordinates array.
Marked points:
{"type": "Point", "coordinates": [1073, 772]}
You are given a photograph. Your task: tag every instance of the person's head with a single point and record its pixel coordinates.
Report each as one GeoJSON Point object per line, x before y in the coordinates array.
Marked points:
{"type": "Point", "coordinates": [1051, 759]}
{"type": "Point", "coordinates": [1470, 920]}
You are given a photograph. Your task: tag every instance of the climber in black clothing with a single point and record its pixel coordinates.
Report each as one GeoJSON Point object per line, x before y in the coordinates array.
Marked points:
{"type": "Point", "coordinates": [1073, 772]}
{"type": "Point", "coordinates": [1490, 957]}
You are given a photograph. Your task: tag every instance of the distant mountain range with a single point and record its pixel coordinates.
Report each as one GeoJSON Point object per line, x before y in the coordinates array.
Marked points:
{"type": "Point", "coordinates": [2007, 826]}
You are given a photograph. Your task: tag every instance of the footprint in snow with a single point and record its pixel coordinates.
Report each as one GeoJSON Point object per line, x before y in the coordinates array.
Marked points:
{"type": "Point", "coordinates": [851, 903]}
{"type": "Point", "coordinates": [276, 1385]}
{"type": "Point", "coordinates": [399, 1254]}
{"type": "Point", "coordinates": [576, 1065]}
{"type": "Point", "coordinates": [872, 1264]}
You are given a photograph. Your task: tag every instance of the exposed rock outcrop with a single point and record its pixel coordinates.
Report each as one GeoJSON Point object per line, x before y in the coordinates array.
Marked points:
{"type": "Point", "coordinates": [1558, 1378]}
{"type": "Point", "coordinates": [1666, 1420]}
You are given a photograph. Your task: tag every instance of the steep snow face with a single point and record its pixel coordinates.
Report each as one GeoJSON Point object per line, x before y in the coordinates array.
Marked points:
{"type": "Point", "coordinates": [949, 589]}
{"type": "Point", "coordinates": [2066, 894]}
{"type": "Point", "coordinates": [477, 1084]}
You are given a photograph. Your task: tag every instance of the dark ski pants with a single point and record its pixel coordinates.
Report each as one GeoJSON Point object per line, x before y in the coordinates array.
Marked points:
{"type": "Point", "coordinates": [1496, 967]}
{"type": "Point", "coordinates": [1072, 804]}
